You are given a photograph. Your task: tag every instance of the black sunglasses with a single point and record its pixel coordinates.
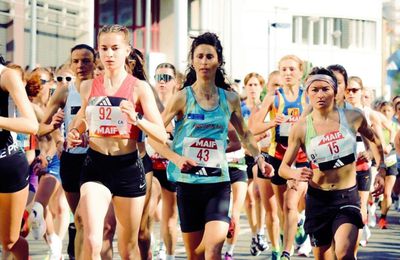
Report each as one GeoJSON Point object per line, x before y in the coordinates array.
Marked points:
{"type": "Point", "coordinates": [163, 77]}
{"type": "Point", "coordinates": [61, 78]}
{"type": "Point", "coordinates": [354, 90]}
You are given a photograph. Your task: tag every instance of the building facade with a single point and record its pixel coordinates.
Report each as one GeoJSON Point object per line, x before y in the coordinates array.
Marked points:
{"type": "Point", "coordinates": [255, 33]}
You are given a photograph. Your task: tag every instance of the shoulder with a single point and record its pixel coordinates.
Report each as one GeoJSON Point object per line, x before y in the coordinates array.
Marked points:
{"type": "Point", "coordinates": [9, 75]}
{"type": "Point", "coordinates": [231, 96]}
{"type": "Point", "coordinates": [299, 128]}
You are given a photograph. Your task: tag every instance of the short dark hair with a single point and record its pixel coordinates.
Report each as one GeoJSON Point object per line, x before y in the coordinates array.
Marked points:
{"type": "Point", "coordinates": [325, 71]}
{"type": "Point", "coordinates": [339, 68]}
{"type": "Point", "coordinates": [84, 46]}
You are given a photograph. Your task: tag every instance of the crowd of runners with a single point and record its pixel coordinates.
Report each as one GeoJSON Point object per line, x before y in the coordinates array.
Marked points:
{"type": "Point", "coordinates": [93, 150]}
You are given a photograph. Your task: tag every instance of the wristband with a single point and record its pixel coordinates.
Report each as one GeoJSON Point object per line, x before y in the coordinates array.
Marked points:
{"type": "Point", "coordinates": [258, 157]}
{"type": "Point", "coordinates": [138, 117]}
{"type": "Point", "coordinates": [382, 165]}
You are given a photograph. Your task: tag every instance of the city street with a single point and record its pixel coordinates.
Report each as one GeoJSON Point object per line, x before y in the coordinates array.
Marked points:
{"type": "Point", "coordinates": [384, 244]}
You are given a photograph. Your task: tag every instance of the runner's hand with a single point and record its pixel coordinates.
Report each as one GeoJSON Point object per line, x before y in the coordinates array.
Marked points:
{"type": "Point", "coordinates": [364, 156]}
{"type": "Point", "coordinates": [279, 119]}
{"type": "Point", "coordinates": [185, 164]}
{"type": "Point", "coordinates": [73, 138]}
{"type": "Point", "coordinates": [303, 174]}
{"type": "Point", "coordinates": [57, 119]}
{"type": "Point", "coordinates": [379, 184]}
{"type": "Point", "coordinates": [266, 169]}
{"type": "Point", "coordinates": [128, 108]}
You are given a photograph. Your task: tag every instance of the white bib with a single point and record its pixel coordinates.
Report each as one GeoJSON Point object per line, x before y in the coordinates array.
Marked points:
{"type": "Point", "coordinates": [286, 126]}
{"type": "Point", "coordinates": [107, 121]}
{"type": "Point", "coordinates": [206, 152]}
{"type": "Point", "coordinates": [331, 147]}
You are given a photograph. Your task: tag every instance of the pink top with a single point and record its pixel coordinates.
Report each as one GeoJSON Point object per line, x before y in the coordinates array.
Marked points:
{"type": "Point", "coordinates": [105, 119]}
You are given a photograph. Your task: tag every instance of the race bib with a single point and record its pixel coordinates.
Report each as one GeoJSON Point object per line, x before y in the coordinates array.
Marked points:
{"type": "Point", "coordinates": [108, 122]}
{"type": "Point", "coordinates": [331, 150]}
{"type": "Point", "coordinates": [206, 152]}
{"type": "Point", "coordinates": [391, 158]}
{"type": "Point", "coordinates": [286, 126]}
{"type": "Point", "coordinates": [105, 118]}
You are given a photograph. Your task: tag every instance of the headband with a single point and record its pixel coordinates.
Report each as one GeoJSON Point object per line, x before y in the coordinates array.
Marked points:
{"type": "Point", "coordinates": [321, 77]}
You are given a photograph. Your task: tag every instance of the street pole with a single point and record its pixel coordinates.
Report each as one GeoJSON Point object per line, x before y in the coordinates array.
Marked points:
{"type": "Point", "coordinates": [148, 34]}
{"type": "Point", "coordinates": [32, 61]}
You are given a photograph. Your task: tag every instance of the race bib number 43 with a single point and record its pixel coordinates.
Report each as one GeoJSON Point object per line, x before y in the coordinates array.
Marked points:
{"type": "Point", "coordinates": [206, 152]}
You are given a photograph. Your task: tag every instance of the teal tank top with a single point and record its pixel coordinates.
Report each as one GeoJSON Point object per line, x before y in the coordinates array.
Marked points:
{"type": "Point", "coordinates": [201, 136]}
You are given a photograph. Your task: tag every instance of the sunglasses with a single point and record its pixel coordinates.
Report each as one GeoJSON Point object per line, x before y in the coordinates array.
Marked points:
{"type": "Point", "coordinates": [44, 81]}
{"type": "Point", "coordinates": [66, 78]}
{"type": "Point", "coordinates": [354, 90]}
{"type": "Point", "coordinates": [163, 77]}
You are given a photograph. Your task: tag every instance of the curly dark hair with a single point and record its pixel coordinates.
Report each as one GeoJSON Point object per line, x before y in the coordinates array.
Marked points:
{"type": "Point", "coordinates": [213, 40]}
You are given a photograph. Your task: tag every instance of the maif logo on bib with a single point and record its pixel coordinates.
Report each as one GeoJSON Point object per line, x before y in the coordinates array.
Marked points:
{"type": "Point", "coordinates": [331, 137]}
{"type": "Point", "coordinates": [205, 143]}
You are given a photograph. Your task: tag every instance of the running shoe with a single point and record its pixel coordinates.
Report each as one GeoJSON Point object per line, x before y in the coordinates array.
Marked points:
{"type": "Point", "coordinates": [253, 247]}
{"type": "Point", "coordinates": [301, 235]}
{"type": "Point", "coordinates": [162, 255]}
{"type": "Point", "coordinates": [382, 223]}
{"type": "Point", "coordinates": [305, 248]}
{"type": "Point", "coordinates": [55, 245]}
{"type": "Point", "coordinates": [365, 235]}
{"type": "Point", "coordinates": [275, 255]}
{"type": "Point", "coordinates": [228, 256]}
{"type": "Point", "coordinates": [36, 221]}
{"type": "Point", "coordinates": [285, 255]}
{"type": "Point", "coordinates": [262, 245]}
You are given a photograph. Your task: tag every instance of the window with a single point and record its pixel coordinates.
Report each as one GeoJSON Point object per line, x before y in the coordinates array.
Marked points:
{"type": "Point", "coordinates": [132, 14]}
{"type": "Point", "coordinates": [338, 32]}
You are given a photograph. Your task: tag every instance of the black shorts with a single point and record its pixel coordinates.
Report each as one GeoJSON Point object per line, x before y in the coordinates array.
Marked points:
{"type": "Point", "coordinates": [14, 172]}
{"type": "Point", "coordinates": [392, 170]}
{"type": "Point", "coordinates": [327, 210]}
{"type": "Point", "coordinates": [147, 163]}
{"type": "Point", "coordinates": [70, 170]}
{"type": "Point", "coordinates": [123, 175]}
{"type": "Point", "coordinates": [201, 203]}
{"type": "Point", "coordinates": [276, 163]}
{"type": "Point", "coordinates": [236, 175]}
{"type": "Point", "coordinates": [364, 180]}
{"type": "Point", "coordinates": [162, 178]}
{"type": "Point", "coordinates": [250, 163]}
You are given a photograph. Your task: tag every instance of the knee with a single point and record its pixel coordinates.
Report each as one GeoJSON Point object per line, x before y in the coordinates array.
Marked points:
{"type": "Point", "coordinates": [127, 251]}
{"type": "Point", "coordinates": [93, 244]}
{"type": "Point", "coordinates": [78, 221]}
{"type": "Point", "coordinates": [213, 252]}
{"type": "Point", "coordinates": [272, 217]}
{"type": "Point", "coordinates": [249, 203]}
{"type": "Point", "coordinates": [108, 231]}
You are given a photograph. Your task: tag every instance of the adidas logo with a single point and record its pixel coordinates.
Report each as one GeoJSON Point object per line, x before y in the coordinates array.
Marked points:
{"type": "Point", "coordinates": [202, 172]}
{"type": "Point", "coordinates": [338, 164]}
{"type": "Point", "coordinates": [104, 102]}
